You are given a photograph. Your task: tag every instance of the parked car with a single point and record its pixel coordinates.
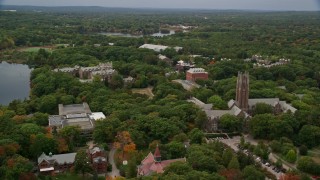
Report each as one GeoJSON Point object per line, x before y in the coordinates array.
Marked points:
{"type": "Point", "coordinates": [268, 164]}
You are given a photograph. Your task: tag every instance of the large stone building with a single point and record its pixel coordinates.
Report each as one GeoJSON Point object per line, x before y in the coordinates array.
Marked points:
{"type": "Point", "coordinates": [212, 125]}
{"type": "Point", "coordinates": [154, 164]}
{"type": "Point", "coordinates": [248, 105]}
{"type": "Point", "coordinates": [103, 70]}
{"type": "Point", "coordinates": [242, 107]}
{"type": "Point", "coordinates": [75, 115]}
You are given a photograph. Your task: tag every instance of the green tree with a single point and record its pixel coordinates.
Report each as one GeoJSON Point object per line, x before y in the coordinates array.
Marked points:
{"type": "Point", "coordinates": [217, 102]}
{"type": "Point", "coordinates": [227, 156]}
{"type": "Point", "coordinates": [179, 168]}
{"type": "Point", "coordinates": [175, 150]}
{"type": "Point", "coordinates": [260, 125]}
{"type": "Point", "coordinates": [106, 130]}
{"type": "Point", "coordinates": [230, 123]}
{"type": "Point", "coordinates": [71, 134]}
{"type": "Point", "coordinates": [41, 143]}
{"type": "Point", "coordinates": [234, 163]}
{"type": "Point", "coordinates": [15, 166]}
{"type": "Point", "coordinates": [196, 136]}
{"type": "Point", "coordinates": [47, 104]}
{"type": "Point", "coordinates": [40, 119]}
{"type": "Point", "coordinates": [82, 163]}
{"type": "Point", "coordinates": [303, 150]}
{"type": "Point", "coordinates": [262, 108]}
{"type": "Point", "coordinates": [251, 173]}
{"type": "Point", "coordinates": [310, 135]}
{"type": "Point", "coordinates": [116, 81]}
{"type": "Point", "coordinates": [291, 156]}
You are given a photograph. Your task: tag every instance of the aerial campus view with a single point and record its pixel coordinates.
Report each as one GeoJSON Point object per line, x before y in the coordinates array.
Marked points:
{"type": "Point", "coordinates": [173, 90]}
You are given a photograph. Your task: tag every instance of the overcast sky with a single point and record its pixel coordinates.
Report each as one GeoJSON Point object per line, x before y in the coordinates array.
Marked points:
{"type": "Point", "coordinates": [203, 4]}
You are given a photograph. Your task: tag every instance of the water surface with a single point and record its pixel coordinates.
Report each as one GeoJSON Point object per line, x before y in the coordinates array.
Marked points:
{"type": "Point", "coordinates": [14, 82]}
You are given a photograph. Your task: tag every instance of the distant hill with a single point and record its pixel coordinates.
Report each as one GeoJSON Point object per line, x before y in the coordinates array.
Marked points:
{"type": "Point", "coordinates": [90, 9]}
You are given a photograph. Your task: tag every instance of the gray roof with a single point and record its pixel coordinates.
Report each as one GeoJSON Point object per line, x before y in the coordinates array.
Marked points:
{"type": "Point", "coordinates": [269, 101]}
{"type": "Point", "coordinates": [99, 159]}
{"type": "Point", "coordinates": [231, 103]}
{"type": "Point", "coordinates": [84, 123]}
{"type": "Point", "coordinates": [95, 150]}
{"type": "Point", "coordinates": [286, 107]}
{"type": "Point", "coordinates": [200, 104]}
{"type": "Point", "coordinates": [55, 120]}
{"type": "Point", "coordinates": [59, 158]}
{"type": "Point", "coordinates": [272, 102]}
{"type": "Point", "coordinates": [218, 113]}
{"type": "Point", "coordinates": [74, 109]}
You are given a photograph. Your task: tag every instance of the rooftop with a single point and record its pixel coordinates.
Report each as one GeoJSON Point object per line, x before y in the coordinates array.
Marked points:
{"type": "Point", "coordinates": [59, 158]}
{"type": "Point", "coordinates": [196, 70]}
{"type": "Point", "coordinates": [97, 116]}
{"type": "Point", "coordinates": [74, 109]}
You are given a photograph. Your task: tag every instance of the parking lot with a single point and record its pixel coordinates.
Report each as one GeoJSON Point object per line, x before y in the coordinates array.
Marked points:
{"type": "Point", "coordinates": [234, 144]}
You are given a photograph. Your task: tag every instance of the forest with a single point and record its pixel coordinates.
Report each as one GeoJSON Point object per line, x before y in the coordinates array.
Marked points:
{"type": "Point", "coordinates": [223, 39]}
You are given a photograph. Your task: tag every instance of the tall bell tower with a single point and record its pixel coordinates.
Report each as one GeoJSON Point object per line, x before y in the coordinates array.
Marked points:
{"type": "Point", "coordinates": [242, 91]}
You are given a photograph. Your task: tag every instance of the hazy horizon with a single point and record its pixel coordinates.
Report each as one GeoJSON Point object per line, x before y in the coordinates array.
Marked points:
{"type": "Point", "coordinates": [295, 5]}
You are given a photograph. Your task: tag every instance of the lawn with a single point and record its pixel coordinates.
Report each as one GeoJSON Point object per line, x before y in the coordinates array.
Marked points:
{"type": "Point", "coordinates": [147, 91]}
{"type": "Point", "coordinates": [35, 49]}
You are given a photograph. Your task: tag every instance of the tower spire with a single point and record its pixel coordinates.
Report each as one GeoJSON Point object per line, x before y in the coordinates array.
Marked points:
{"type": "Point", "coordinates": [242, 91]}
{"type": "Point", "coordinates": [157, 154]}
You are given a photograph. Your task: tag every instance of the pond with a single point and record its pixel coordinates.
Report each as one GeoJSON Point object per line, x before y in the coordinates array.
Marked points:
{"type": "Point", "coordinates": [14, 82]}
{"type": "Point", "coordinates": [119, 34]}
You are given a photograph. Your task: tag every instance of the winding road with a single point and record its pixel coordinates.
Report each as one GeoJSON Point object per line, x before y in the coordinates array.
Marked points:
{"type": "Point", "coordinates": [115, 171]}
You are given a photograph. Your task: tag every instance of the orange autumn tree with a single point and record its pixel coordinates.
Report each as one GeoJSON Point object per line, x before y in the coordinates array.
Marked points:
{"type": "Point", "coordinates": [124, 141]}
{"type": "Point", "coordinates": [62, 145]}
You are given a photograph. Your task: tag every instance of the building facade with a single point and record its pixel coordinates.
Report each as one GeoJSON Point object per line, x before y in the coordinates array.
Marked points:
{"type": "Point", "coordinates": [194, 74]}
{"type": "Point", "coordinates": [53, 164]}
{"type": "Point", "coordinates": [75, 115]}
{"type": "Point", "coordinates": [98, 159]}
{"type": "Point", "coordinates": [154, 164]}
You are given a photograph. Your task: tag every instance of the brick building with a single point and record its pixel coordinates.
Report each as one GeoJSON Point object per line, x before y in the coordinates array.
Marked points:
{"type": "Point", "coordinates": [196, 73]}
{"type": "Point", "coordinates": [98, 160]}
{"type": "Point", "coordinates": [52, 164]}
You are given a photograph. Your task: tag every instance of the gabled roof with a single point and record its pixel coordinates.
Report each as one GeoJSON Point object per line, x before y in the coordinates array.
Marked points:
{"type": "Point", "coordinates": [95, 150]}
{"type": "Point", "coordinates": [231, 103]}
{"type": "Point", "coordinates": [59, 158]}
{"type": "Point", "coordinates": [149, 166]}
{"type": "Point", "coordinates": [157, 152]}
{"type": "Point", "coordinates": [286, 107]}
{"type": "Point", "coordinates": [148, 159]}
{"type": "Point", "coordinates": [269, 101]}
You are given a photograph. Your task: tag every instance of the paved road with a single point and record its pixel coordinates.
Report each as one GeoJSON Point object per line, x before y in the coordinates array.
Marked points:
{"type": "Point", "coordinates": [115, 171]}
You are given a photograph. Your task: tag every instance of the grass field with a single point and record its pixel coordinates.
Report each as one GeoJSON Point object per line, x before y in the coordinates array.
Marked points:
{"type": "Point", "coordinates": [147, 91]}
{"type": "Point", "coordinates": [35, 49]}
